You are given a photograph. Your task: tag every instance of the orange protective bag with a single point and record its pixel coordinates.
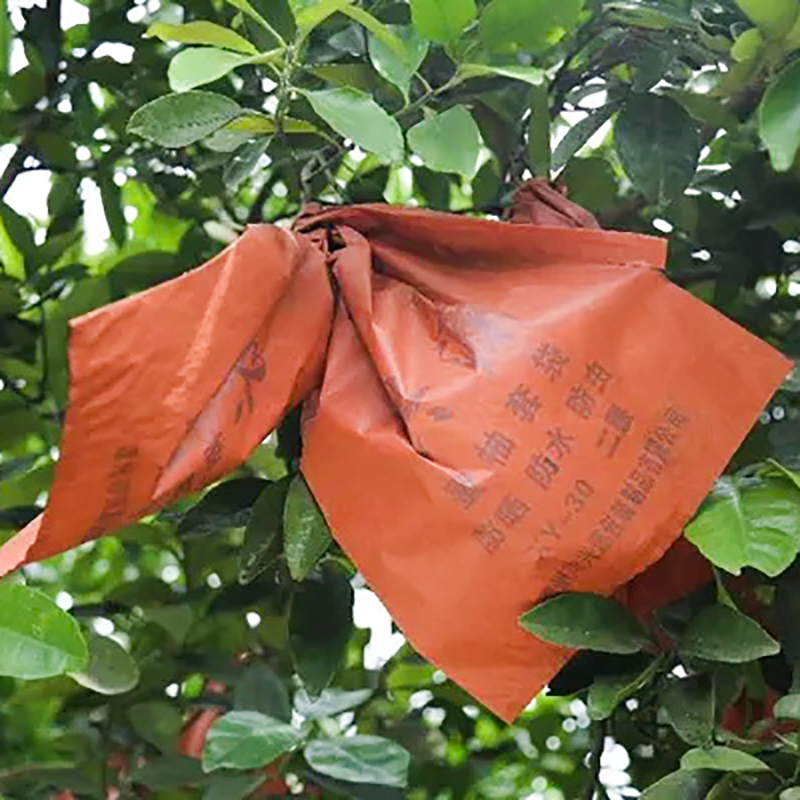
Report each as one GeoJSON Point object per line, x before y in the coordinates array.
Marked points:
{"type": "Point", "coordinates": [493, 411]}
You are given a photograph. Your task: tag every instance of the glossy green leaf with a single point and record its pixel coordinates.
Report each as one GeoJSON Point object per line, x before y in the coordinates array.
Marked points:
{"type": "Point", "coordinates": [779, 118]}
{"type": "Point", "coordinates": [251, 125]}
{"type": "Point", "coordinates": [310, 13]}
{"type": "Point", "coordinates": [202, 32]}
{"type": "Point", "coordinates": [177, 120]}
{"type": "Point", "coordinates": [535, 76]}
{"type": "Point", "coordinates": [247, 739]}
{"type": "Point", "coordinates": [246, 7]}
{"type": "Point", "coordinates": [689, 704]}
{"type": "Point", "coordinates": [788, 707]}
{"type": "Point", "coordinates": [330, 702]}
{"type": "Point", "coordinates": [381, 32]}
{"type": "Point", "coordinates": [306, 535]}
{"type": "Point", "coordinates": [227, 505]}
{"type": "Point", "coordinates": [448, 142]}
{"type": "Point", "coordinates": [658, 144]}
{"type": "Point", "coordinates": [243, 162]}
{"type": "Point", "coordinates": [263, 534]}
{"type": "Point", "coordinates": [442, 21]}
{"type": "Point", "coordinates": [748, 45]}
{"type": "Point", "coordinates": [111, 669]}
{"type": "Point", "coordinates": [355, 115]}
{"type": "Point", "coordinates": [582, 620]}
{"type": "Point", "coordinates": [580, 133]}
{"type": "Point", "coordinates": [749, 525]}
{"type": "Point", "coordinates": [197, 66]}
{"type": "Point", "coordinates": [608, 691]}
{"type": "Point", "coordinates": [682, 785]}
{"type": "Point", "coordinates": [724, 759]}
{"type": "Point", "coordinates": [720, 633]}
{"type": "Point", "coordinates": [360, 759]}
{"type": "Point", "coordinates": [398, 68]}
{"type": "Point", "coordinates": [774, 17]}
{"type": "Point", "coordinates": [320, 625]}
{"type": "Point", "coordinates": [37, 638]}
{"type": "Point", "coordinates": [529, 25]}
{"type": "Point", "coordinates": [261, 690]}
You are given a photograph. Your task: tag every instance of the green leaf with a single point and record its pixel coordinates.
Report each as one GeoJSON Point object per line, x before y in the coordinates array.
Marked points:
{"type": "Point", "coordinates": [724, 759]}
{"type": "Point", "coordinates": [306, 535]}
{"type": "Point", "coordinates": [175, 619]}
{"type": "Point", "coordinates": [580, 133]}
{"type": "Point", "coordinates": [357, 116]}
{"type": "Point", "coordinates": [658, 144]}
{"type": "Point", "coordinates": [583, 620]}
{"type": "Point", "coordinates": [37, 638]}
{"type": "Point", "coordinates": [261, 690]}
{"type": "Point", "coordinates": [682, 785]}
{"type": "Point", "coordinates": [20, 232]}
{"type": "Point", "coordinates": [247, 8]}
{"type": "Point", "coordinates": [398, 68]}
{"type": "Point", "coordinates": [262, 536]}
{"type": "Point", "coordinates": [381, 32]}
{"type": "Point", "coordinates": [310, 13]}
{"type": "Point", "coordinates": [232, 786]}
{"type": "Point", "coordinates": [608, 691]}
{"type": "Point", "coordinates": [535, 76]}
{"type": "Point", "coordinates": [157, 723]}
{"type": "Point", "coordinates": [720, 633]}
{"type": "Point", "coordinates": [788, 707]}
{"type": "Point", "coordinates": [196, 66]}
{"type": "Point", "coordinates": [243, 162]}
{"type": "Point", "coordinates": [774, 17]}
{"type": "Point", "coordinates": [111, 670]}
{"type": "Point", "coordinates": [360, 759]}
{"type": "Point", "coordinates": [111, 195]}
{"type": "Point", "coordinates": [177, 120]}
{"type": "Point", "coordinates": [250, 125]}
{"type": "Point", "coordinates": [530, 25]}
{"type": "Point", "coordinates": [749, 525]}
{"type": "Point", "coordinates": [689, 704]}
{"type": "Point", "coordinates": [779, 118]}
{"type": "Point", "coordinates": [169, 772]}
{"type": "Point", "coordinates": [227, 505]}
{"type": "Point", "coordinates": [330, 703]}
{"type": "Point", "coordinates": [442, 21]}
{"type": "Point", "coordinates": [320, 625]}
{"type": "Point", "coordinates": [202, 32]}
{"type": "Point", "coordinates": [539, 132]}
{"type": "Point", "coordinates": [748, 45]}
{"type": "Point", "coordinates": [448, 142]}
{"type": "Point", "coordinates": [247, 739]}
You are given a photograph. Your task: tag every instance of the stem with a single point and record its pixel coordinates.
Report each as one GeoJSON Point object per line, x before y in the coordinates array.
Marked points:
{"type": "Point", "coordinates": [594, 760]}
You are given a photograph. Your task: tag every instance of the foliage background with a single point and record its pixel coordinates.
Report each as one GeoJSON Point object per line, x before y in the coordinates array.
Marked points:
{"type": "Point", "coordinates": [679, 117]}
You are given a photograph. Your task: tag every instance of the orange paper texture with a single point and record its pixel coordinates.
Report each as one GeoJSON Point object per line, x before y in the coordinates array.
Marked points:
{"type": "Point", "coordinates": [494, 411]}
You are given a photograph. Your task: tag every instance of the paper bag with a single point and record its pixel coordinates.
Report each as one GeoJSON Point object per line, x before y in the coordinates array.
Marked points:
{"type": "Point", "coordinates": [494, 411]}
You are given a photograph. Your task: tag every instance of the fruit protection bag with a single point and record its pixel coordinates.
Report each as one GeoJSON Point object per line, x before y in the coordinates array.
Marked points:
{"type": "Point", "coordinates": [495, 411]}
